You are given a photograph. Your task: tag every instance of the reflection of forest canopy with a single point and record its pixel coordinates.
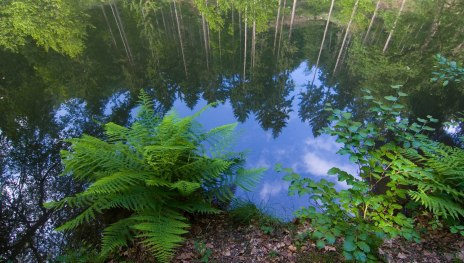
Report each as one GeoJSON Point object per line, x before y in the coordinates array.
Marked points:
{"type": "Point", "coordinates": [241, 51]}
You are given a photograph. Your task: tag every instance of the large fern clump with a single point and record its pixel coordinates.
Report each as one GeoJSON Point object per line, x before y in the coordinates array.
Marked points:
{"type": "Point", "coordinates": [158, 170]}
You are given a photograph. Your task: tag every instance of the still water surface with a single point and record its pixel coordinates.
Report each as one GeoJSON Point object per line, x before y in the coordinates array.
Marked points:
{"type": "Point", "coordinates": [184, 60]}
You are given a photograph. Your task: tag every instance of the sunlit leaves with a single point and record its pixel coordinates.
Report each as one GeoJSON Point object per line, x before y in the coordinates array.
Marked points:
{"type": "Point", "coordinates": [52, 24]}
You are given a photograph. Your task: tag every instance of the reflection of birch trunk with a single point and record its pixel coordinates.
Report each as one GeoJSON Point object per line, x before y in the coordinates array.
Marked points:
{"type": "Point", "coordinates": [109, 26]}
{"type": "Point", "coordinates": [372, 21]}
{"type": "Point", "coordinates": [347, 31]}
{"type": "Point", "coordinates": [291, 20]}
{"type": "Point", "coordinates": [164, 22]}
{"type": "Point", "coordinates": [122, 33]}
{"type": "Point", "coordinates": [205, 40]}
{"type": "Point", "coordinates": [277, 25]}
{"type": "Point", "coordinates": [281, 28]}
{"type": "Point", "coordinates": [180, 38]}
{"type": "Point", "coordinates": [394, 27]}
{"type": "Point", "coordinates": [245, 45]}
{"type": "Point", "coordinates": [157, 23]}
{"type": "Point", "coordinates": [253, 45]}
{"type": "Point", "coordinates": [323, 40]}
{"type": "Point", "coordinates": [240, 32]}
{"type": "Point", "coordinates": [434, 29]}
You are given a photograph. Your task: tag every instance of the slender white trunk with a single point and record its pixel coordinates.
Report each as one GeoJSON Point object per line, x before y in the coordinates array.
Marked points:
{"type": "Point", "coordinates": [394, 26]}
{"type": "Point", "coordinates": [253, 45]}
{"type": "Point", "coordinates": [291, 20]}
{"type": "Point", "coordinates": [245, 45]}
{"type": "Point", "coordinates": [277, 25]}
{"type": "Point", "coordinates": [109, 26]}
{"type": "Point", "coordinates": [372, 21]}
{"type": "Point", "coordinates": [347, 31]}
{"type": "Point", "coordinates": [120, 29]}
{"type": "Point", "coordinates": [180, 38]}
{"type": "Point", "coordinates": [281, 29]}
{"type": "Point", "coordinates": [205, 39]}
{"type": "Point", "coordinates": [323, 40]}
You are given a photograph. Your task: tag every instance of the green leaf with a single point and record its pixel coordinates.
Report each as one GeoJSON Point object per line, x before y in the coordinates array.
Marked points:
{"type": "Point", "coordinates": [391, 98]}
{"type": "Point", "coordinates": [349, 244]}
{"type": "Point", "coordinates": [360, 256]}
{"type": "Point", "coordinates": [363, 246]}
{"type": "Point", "coordinates": [330, 238]}
{"type": "Point", "coordinates": [320, 244]}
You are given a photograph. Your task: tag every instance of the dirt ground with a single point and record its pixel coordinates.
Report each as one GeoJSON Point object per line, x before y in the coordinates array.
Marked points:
{"type": "Point", "coordinates": [219, 239]}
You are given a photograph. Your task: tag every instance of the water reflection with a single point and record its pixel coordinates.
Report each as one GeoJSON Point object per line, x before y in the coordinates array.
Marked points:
{"type": "Point", "coordinates": [295, 147]}
{"type": "Point", "coordinates": [185, 60]}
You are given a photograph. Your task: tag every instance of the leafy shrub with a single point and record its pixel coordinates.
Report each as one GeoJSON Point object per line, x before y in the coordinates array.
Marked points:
{"type": "Point", "coordinates": [398, 166]}
{"type": "Point", "coordinates": [448, 71]}
{"type": "Point", "coordinates": [156, 171]}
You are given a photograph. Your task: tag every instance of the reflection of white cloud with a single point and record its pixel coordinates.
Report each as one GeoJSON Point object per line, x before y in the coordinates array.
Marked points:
{"type": "Point", "coordinates": [272, 189]}
{"type": "Point", "coordinates": [320, 156]}
{"type": "Point", "coordinates": [262, 163]}
{"type": "Point", "coordinates": [323, 142]}
{"type": "Point", "coordinates": [319, 166]}
{"type": "Point", "coordinates": [316, 165]}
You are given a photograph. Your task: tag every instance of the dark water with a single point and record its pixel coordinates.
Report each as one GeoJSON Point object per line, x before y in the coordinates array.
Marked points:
{"type": "Point", "coordinates": [183, 64]}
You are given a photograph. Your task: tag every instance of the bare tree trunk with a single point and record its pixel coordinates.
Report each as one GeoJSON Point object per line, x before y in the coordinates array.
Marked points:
{"type": "Point", "coordinates": [180, 38]}
{"type": "Point", "coordinates": [394, 27]}
{"type": "Point", "coordinates": [323, 40]}
{"type": "Point", "coordinates": [109, 26]}
{"type": "Point", "coordinates": [458, 49]}
{"type": "Point", "coordinates": [277, 25]}
{"type": "Point", "coordinates": [291, 20]}
{"type": "Point", "coordinates": [253, 45]}
{"type": "Point", "coordinates": [434, 29]}
{"type": "Point", "coordinates": [164, 23]}
{"type": "Point", "coordinates": [374, 15]}
{"type": "Point", "coordinates": [121, 31]}
{"type": "Point", "coordinates": [281, 29]}
{"type": "Point", "coordinates": [346, 34]}
{"type": "Point", "coordinates": [245, 46]}
{"type": "Point", "coordinates": [205, 39]}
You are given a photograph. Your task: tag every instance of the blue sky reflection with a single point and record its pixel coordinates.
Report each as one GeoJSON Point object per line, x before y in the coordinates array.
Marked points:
{"type": "Point", "coordinates": [295, 147]}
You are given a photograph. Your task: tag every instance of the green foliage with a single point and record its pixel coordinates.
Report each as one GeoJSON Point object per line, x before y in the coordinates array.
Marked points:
{"type": "Point", "coordinates": [448, 71]}
{"type": "Point", "coordinates": [203, 251]}
{"type": "Point", "coordinates": [245, 212]}
{"type": "Point", "coordinates": [85, 253]}
{"type": "Point", "coordinates": [53, 24]}
{"type": "Point", "coordinates": [397, 163]}
{"type": "Point", "coordinates": [457, 229]}
{"type": "Point", "coordinates": [157, 170]}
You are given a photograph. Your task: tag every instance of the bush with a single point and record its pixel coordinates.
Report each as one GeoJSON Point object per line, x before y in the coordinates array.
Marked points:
{"type": "Point", "coordinates": [399, 168]}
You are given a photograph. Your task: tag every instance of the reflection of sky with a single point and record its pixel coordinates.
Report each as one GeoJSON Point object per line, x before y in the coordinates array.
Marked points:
{"type": "Point", "coordinates": [295, 148]}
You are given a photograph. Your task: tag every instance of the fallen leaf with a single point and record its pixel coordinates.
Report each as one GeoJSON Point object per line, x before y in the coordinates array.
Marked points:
{"type": "Point", "coordinates": [402, 256]}
{"type": "Point", "coordinates": [330, 248]}
{"type": "Point", "coordinates": [292, 248]}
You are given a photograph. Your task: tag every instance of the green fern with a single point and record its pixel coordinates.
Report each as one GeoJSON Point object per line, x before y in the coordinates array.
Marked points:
{"type": "Point", "coordinates": [157, 169]}
{"type": "Point", "coordinates": [440, 188]}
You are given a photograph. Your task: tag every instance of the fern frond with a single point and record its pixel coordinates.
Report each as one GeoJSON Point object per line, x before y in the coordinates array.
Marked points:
{"type": "Point", "coordinates": [161, 234]}
{"type": "Point", "coordinates": [117, 235]}
{"type": "Point", "coordinates": [185, 188]}
{"type": "Point", "coordinates": [118, 182]}
{"type": "Point", "coordinates": [437, 205]}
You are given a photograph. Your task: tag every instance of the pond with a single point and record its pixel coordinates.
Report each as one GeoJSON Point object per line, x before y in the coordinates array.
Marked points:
{"type": "Point", "coordinates": [272, 72]}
